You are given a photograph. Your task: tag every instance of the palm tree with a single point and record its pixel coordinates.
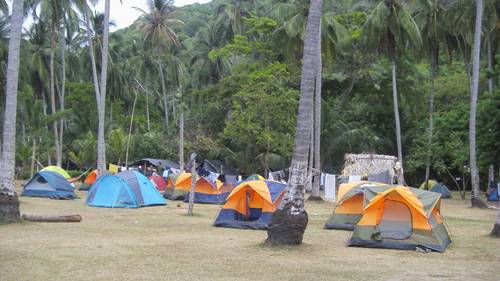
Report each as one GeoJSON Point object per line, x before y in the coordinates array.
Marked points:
{"type": "Point", "coordinates": [157, 26]}
{"type": "Point", "coordinates": [496, 227]}
{"type": "Point", "coordinates": [9, 208]}
{"type": "Point", "coordinates": [430, 18]}
{"type": "Point", "coordinates": [101, 99]}
{"type": "Point", "coordinates": [390, 25]}
{"type": "Point", "coordinates": [206, 70]}
{"type": "Point", "coordinates": [289, 222]}
{"type": "Point", "coordinates": [476, 52]}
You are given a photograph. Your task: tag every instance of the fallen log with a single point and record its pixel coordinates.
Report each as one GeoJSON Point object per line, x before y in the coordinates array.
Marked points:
{"type": "Point", "coordinates": [68, 218]}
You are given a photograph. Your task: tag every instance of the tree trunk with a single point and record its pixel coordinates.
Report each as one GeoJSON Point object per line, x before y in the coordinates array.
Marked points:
{"type": "Point", "coordinates": [101, 144]}
{"type": "Point", "coordinates": [496, 227]}
{"type": "Point", "coordinates": [63, 89]}
{"type": "Point", "coordinates": [146, 91]}
{"type": "Point", "coordinates": [308, 187]}
{"type": "Point", "coordinates": [491, 177]}
{"type": "Point", "coordinates": [9, 203]}
{"type": "Point", "coordinates": [94, 71]}
{"type": "Point", "coordinates": [67, 218]}
{"type": "Point", "coordinates": [164, 94]}
{"type": "Point", "coordinates": [431, 124]}
{"type": "Point", "coordinates": [289, 222]}
{"type": "Point", "coordinates": [130, 129]}
{"type": "Point", "coordinates": [490, 64]}
{"type": "Point", "coordinates": [33, 155]}
{"type": "Point", "coordinates": [55, 126]}
{"type": "Point", "coordinates": [315, 193]}
{"type": "Point", "coordinates": [181, 140]}
{"type": "Point", "coordinates": [193, 184]}
{"type": "Point", "coordinates": [476, 201]}
{"type": "Point", "coordinates": [395, 102]}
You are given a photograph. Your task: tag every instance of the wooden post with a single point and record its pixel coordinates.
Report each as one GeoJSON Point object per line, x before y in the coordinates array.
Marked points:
{"type": "Point", "coordinates": [193, 183]}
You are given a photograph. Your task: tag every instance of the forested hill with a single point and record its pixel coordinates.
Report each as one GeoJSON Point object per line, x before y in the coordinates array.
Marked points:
{"type": "Point", "coordinates": [232, 67]}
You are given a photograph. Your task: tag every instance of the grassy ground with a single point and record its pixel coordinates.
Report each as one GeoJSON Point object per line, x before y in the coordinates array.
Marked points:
{"type": "Point", "coordinates": [162, 243]}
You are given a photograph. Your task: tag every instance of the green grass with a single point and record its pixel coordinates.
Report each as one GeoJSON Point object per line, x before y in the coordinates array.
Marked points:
{"type": "Point", "coordinates": [162, 243]}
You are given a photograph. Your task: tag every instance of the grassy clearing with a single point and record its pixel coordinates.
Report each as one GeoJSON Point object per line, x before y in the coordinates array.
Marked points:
{"type": "Point", "coordinates": [162, 243]}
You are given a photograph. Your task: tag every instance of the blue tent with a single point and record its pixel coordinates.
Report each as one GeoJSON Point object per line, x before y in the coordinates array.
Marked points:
{"type": "Point", "coordinates": [493, 195]}
{"type": "Point", "coordinates": [441, 188]}
{"type": "Point", "coordinates": [127, 189]}
{"type": "Point", "coordinates": [49, 184]}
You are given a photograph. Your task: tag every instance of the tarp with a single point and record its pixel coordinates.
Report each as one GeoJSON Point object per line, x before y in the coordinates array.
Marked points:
{"type": "Point", "coordinates": [162, 163]}
{"type": "Point", "coordinates": [49, 184]}
{"type": "Point", "coordinates": [219, 167]}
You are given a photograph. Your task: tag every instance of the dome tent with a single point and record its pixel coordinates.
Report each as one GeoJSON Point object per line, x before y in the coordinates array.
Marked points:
{"type": "Point", "coordinates": [48, 184]}
{"type": "Point", "coordinates": [128, 190]}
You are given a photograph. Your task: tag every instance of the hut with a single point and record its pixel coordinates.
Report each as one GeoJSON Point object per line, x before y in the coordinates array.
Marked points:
{"type": "Point", "coordinates": [373, 167]}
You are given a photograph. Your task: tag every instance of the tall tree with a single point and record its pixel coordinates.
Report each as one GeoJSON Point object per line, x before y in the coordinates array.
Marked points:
{"type": "Point", "coordinates": [9, 205]}
{"type": "Point", "coordinates": [476, 52]}
{"type": "Point", "coordinates": [430, 19]}
{"type": "Point", "coordinates": [157, 26]}
{"type": "Point", "coordinates": [289, 222]}
{"type": "Point", "coordinates": [315, 192]}
{"type": "Point", "coordinates": [496, 226]}
{"type": "Point", "coordinates": [390, 25]}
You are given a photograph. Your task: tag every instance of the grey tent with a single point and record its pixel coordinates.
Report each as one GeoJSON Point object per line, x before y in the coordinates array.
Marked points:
{"type": "Point", "coordinates": [219, 167]}
{"type": "Point", "coordinates": [159, 163]}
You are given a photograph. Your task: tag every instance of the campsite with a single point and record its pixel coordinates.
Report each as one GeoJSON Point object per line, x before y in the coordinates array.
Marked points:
{"type": "Point", "coordinates": [163, 243]}
{"type": "Point", "coordinates": [249, 140]}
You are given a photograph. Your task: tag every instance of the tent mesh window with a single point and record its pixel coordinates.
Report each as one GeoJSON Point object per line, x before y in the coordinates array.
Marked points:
{"type": "Point", "coordinates": [124, 198]}
{"type": "Point", "coordinates": [396, 222]}
{"type": "Point", "coordinates": [41, 180]}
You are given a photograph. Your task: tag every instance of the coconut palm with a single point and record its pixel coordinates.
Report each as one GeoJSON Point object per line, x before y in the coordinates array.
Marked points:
{"type": "Point", "coordinates": [496, 226]}
{"type": "Point", "coordinates": [7, 161]}
{"type": "Point", "coordinates": [157, 26]}
{"type": "Point", "coordinates": [430, 19]}
{"type": "Point", "coordinates": [289, 222]}
{"type": "Point", "coordinates": [206, 70]}
{"type": "Point", "coordinates": [391, 26]}
{"type": "Point", "coordinates": [476, 52]}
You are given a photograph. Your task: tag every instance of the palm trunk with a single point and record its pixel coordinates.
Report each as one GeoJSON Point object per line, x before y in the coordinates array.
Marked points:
{"type": "Point", "coordinates": [101, 144]}
{"type": "Point", "coordinates": [289, 222]}
{"type": "Point", "coordinates": [33, 155]}
{"type": "Point", "coordinates": [94, 68]}
{"type": "Point", "coordinates": [476, 51]}
{"type": "Point", "coordinates": [490, 64]}
{"type": "Point", "coordinates": [496, 228]}
{"type": "Point", "coordinates": [164, 94]}
{"type": "Point", "coordinates": [310, 164]}
{"type": "Point", "coordinates": [315, 193]}
{"type": "Point", "coordinates": [181, 140]}
{"type": "Point", "coordinates": [193, 184]}
{"type": "Point", "coordinates": [63, 88]}
{"type": "Point", "coordinates": [146, 92]}
{"type": "Point", "coordinates": [55, 126]}
{"type": "Point", "coordinates": [9, 204]}
{"type": "Point", "coordinates": [130, 129]}
{"type": "Point", "coordinates": [397, 120]}
{"type": "Point", "coordinates": [431, 123]}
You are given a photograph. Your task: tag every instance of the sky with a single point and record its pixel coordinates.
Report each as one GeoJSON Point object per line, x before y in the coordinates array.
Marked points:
{"type": "Point", "coordinates": [123, 14]}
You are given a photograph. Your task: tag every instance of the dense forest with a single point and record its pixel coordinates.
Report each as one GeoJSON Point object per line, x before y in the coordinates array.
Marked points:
{"type": "Point", "coordinates": [230, 71]}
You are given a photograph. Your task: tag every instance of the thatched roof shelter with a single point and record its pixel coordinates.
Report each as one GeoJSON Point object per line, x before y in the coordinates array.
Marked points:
{"type": "Point", "coordinates": [368, 164]}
